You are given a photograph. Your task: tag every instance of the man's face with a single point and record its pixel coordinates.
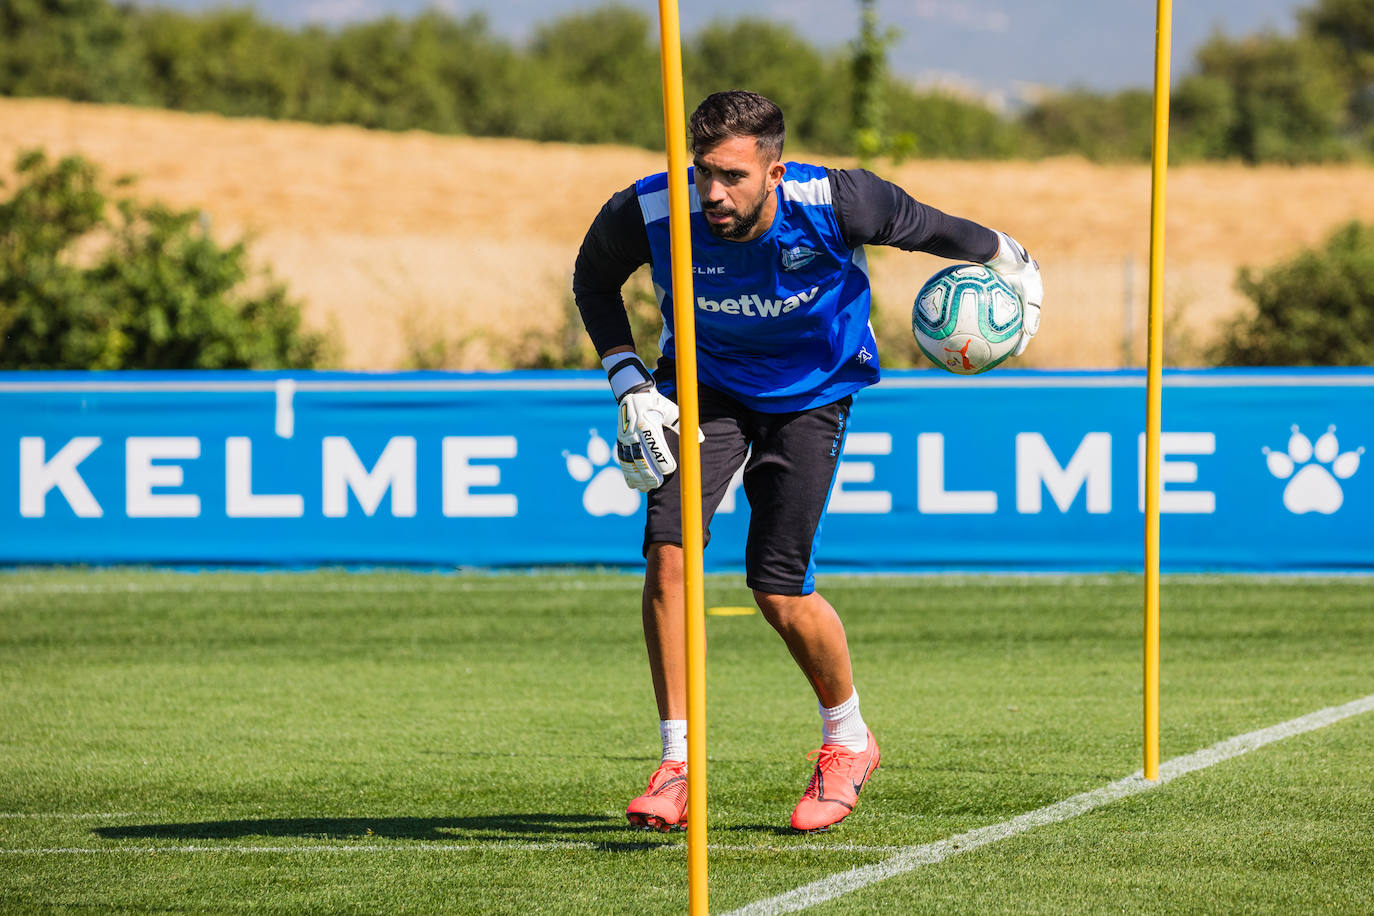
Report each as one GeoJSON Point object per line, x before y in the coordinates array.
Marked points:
{"type": "Point", "coordinates": [736, 188]}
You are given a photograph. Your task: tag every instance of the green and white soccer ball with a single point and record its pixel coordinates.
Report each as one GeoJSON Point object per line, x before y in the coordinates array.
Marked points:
{"type": "Point", "coordinates": [966, 319]}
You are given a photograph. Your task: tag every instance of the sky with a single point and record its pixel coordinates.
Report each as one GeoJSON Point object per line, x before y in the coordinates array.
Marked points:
{"type": "Point", "coordinates": [992, 46]}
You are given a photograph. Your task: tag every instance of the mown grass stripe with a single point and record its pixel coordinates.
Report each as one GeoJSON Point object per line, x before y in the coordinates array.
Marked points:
{"type": "Point", "coordinates": [913, 857]}
{"type": "Point", "coordinates": [444, 848]}
{"type": "Point", "coordinates": [210, 581]}
{"type": "Point", "coordinates": [66, 815]}
{"type": "Point", "coordinates": [200, 586]}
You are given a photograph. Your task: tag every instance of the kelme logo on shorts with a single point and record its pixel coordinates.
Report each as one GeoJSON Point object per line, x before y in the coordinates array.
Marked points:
{"type": "Point", "coordinates": [798, 257]}
{"type": "Point", "coordinates": [752, 306]}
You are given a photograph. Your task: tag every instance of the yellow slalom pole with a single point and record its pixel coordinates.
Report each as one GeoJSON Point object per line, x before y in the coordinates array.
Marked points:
{"type": "Point", "coordinates": [1155, 385]}
{"type": "Point", "coordinates": [689, 451]}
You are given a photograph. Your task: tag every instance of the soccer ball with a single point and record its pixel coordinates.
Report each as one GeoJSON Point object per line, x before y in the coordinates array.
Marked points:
{"type": "Point", "coordinates": [966, 319]}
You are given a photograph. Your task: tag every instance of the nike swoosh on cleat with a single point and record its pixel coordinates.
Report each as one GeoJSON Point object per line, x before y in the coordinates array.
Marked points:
{"type": "Point", "coordinates": [868, 771]}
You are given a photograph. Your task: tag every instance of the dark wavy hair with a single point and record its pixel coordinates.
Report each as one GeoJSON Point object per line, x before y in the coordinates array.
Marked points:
{"type": "Point", "coordinates": [738, 113]}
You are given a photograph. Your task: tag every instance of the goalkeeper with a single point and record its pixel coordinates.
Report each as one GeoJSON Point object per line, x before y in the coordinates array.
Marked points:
{"type": "Point", "coordinates": [783, 344]}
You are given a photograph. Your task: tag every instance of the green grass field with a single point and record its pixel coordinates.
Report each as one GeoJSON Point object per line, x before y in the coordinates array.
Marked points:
{"type": "Point", "coordinates": [383, 742]}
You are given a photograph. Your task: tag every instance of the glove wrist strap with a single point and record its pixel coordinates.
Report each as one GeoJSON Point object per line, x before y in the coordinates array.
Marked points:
{"type": "Point", "coordinates": [626, 373]}
{"type": "Point", "coordinates": [1010, 255]}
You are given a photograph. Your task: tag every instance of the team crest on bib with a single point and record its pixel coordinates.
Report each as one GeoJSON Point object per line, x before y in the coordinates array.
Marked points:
{"type": "Point", "coordinates": [797, 257]}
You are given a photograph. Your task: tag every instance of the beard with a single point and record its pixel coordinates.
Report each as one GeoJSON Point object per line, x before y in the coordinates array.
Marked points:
{"type": "Point", "coordinates": [743, 223]}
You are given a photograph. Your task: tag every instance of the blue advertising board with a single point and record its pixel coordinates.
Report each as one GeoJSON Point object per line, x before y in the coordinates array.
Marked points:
{"type": "Point", "coordinates": [1014, 470]}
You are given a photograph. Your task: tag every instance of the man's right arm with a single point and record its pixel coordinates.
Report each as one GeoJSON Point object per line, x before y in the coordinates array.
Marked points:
{"type": "Point", "coordinates": [615, 246]}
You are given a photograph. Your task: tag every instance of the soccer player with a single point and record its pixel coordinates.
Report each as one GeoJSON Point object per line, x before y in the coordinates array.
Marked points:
{"type": "Point", "coordinates": [783, 344]}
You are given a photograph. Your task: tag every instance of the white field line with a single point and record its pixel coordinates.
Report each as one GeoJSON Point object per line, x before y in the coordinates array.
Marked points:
{"type": "Point", "coordinates": [904, 859]}
{"type": "Point", "coordinates": [914, 857]}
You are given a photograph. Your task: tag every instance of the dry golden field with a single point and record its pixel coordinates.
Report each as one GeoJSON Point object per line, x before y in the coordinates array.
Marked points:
{"type": "Point", "coordinates": [386, 235]}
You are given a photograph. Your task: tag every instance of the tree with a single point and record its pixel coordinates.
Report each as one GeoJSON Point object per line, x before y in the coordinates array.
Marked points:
{"type": "Point", "coordinates": [595, 78]}
{"type": "Point", "coordinates": [386, 74]}
{"type": "Point", "coordinates": [940, 124]}
{"type": "Point", "coordinates": [75, 49]}
{"type": "Point", "coordinates": [1204, 118]}
{"type": "Point", "coordinates": [481, 72]}
{"type": "Point", "coordinates": [1348, 26]}
{"type": "Point", "coordinates": [1101, 127]}
{"type": "Point", "coordinates": [1345, 30]}
{"type": "Point", "coordinates": [774, 60]}
{"type": "Point", "coordinates": [226, 61]}
{"type": "Point", "coordinates": [159, 294]}
{"type": "Point", "coordinates": [1286, 102]}
{"type": "Point", "coordinates": [869, 64]}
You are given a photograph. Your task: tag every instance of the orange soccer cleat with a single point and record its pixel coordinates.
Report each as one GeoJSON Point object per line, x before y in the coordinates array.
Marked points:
{"type": "Point", "coordinates": [663, 805]}
{"type": "Point", "coordinates": [839, 777]}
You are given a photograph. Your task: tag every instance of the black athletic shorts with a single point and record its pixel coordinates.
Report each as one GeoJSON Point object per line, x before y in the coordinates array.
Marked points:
{"type": "Point", "coordinates": [788, 476]}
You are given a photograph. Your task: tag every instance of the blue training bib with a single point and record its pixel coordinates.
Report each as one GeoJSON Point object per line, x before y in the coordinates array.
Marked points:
{"type": "Point", "coordinates": [782, 320]}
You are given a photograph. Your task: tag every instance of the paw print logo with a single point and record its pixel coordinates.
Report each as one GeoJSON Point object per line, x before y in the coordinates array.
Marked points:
{"type": "Point", "coordinates": [1313, 471]}
{"type": "Point", "coordinates": [606, 492]}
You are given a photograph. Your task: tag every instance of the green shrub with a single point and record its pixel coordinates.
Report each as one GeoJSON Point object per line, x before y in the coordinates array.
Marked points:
{"type": "Point", "coordinates": [93, 282]}
{"type": "Point", "coordinates": [1316, 309]}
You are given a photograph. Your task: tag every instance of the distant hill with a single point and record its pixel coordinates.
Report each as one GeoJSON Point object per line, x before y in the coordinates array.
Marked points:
{"type": "Point", "coordinates": [399, 238]}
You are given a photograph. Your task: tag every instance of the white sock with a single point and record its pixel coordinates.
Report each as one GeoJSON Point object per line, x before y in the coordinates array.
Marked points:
{"type": "Point", "coordinates": [844, 725]}
{"type": "Point", "coordinates": [674, 735]}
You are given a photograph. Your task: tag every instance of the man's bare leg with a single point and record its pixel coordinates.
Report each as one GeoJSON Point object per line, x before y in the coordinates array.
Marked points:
{"type": "Point", "coordinates": [815, 637]}
{"type": "Point", "coordinates": [665, 634]}
{"type": "Point", "coordinates": [848, 753]}
{"type": "Point", "coordinates": [663, 805]}
{"type": "Point", "coordinates": [807, 623]}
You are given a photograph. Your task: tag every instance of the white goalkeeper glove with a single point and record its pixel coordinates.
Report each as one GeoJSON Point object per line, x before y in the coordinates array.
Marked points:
{"type": "Point", "coordinates": [640, 445]}
{"type": "Point", "coordinates": [1021, 272]}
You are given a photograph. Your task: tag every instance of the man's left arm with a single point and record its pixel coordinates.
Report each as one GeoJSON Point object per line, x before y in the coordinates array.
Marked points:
{"type": "Point", "coordinates": [873, 211]}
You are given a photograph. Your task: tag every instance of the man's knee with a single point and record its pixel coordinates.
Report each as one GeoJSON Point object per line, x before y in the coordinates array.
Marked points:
{"type": "Point", "coordinates": [783, 611]}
